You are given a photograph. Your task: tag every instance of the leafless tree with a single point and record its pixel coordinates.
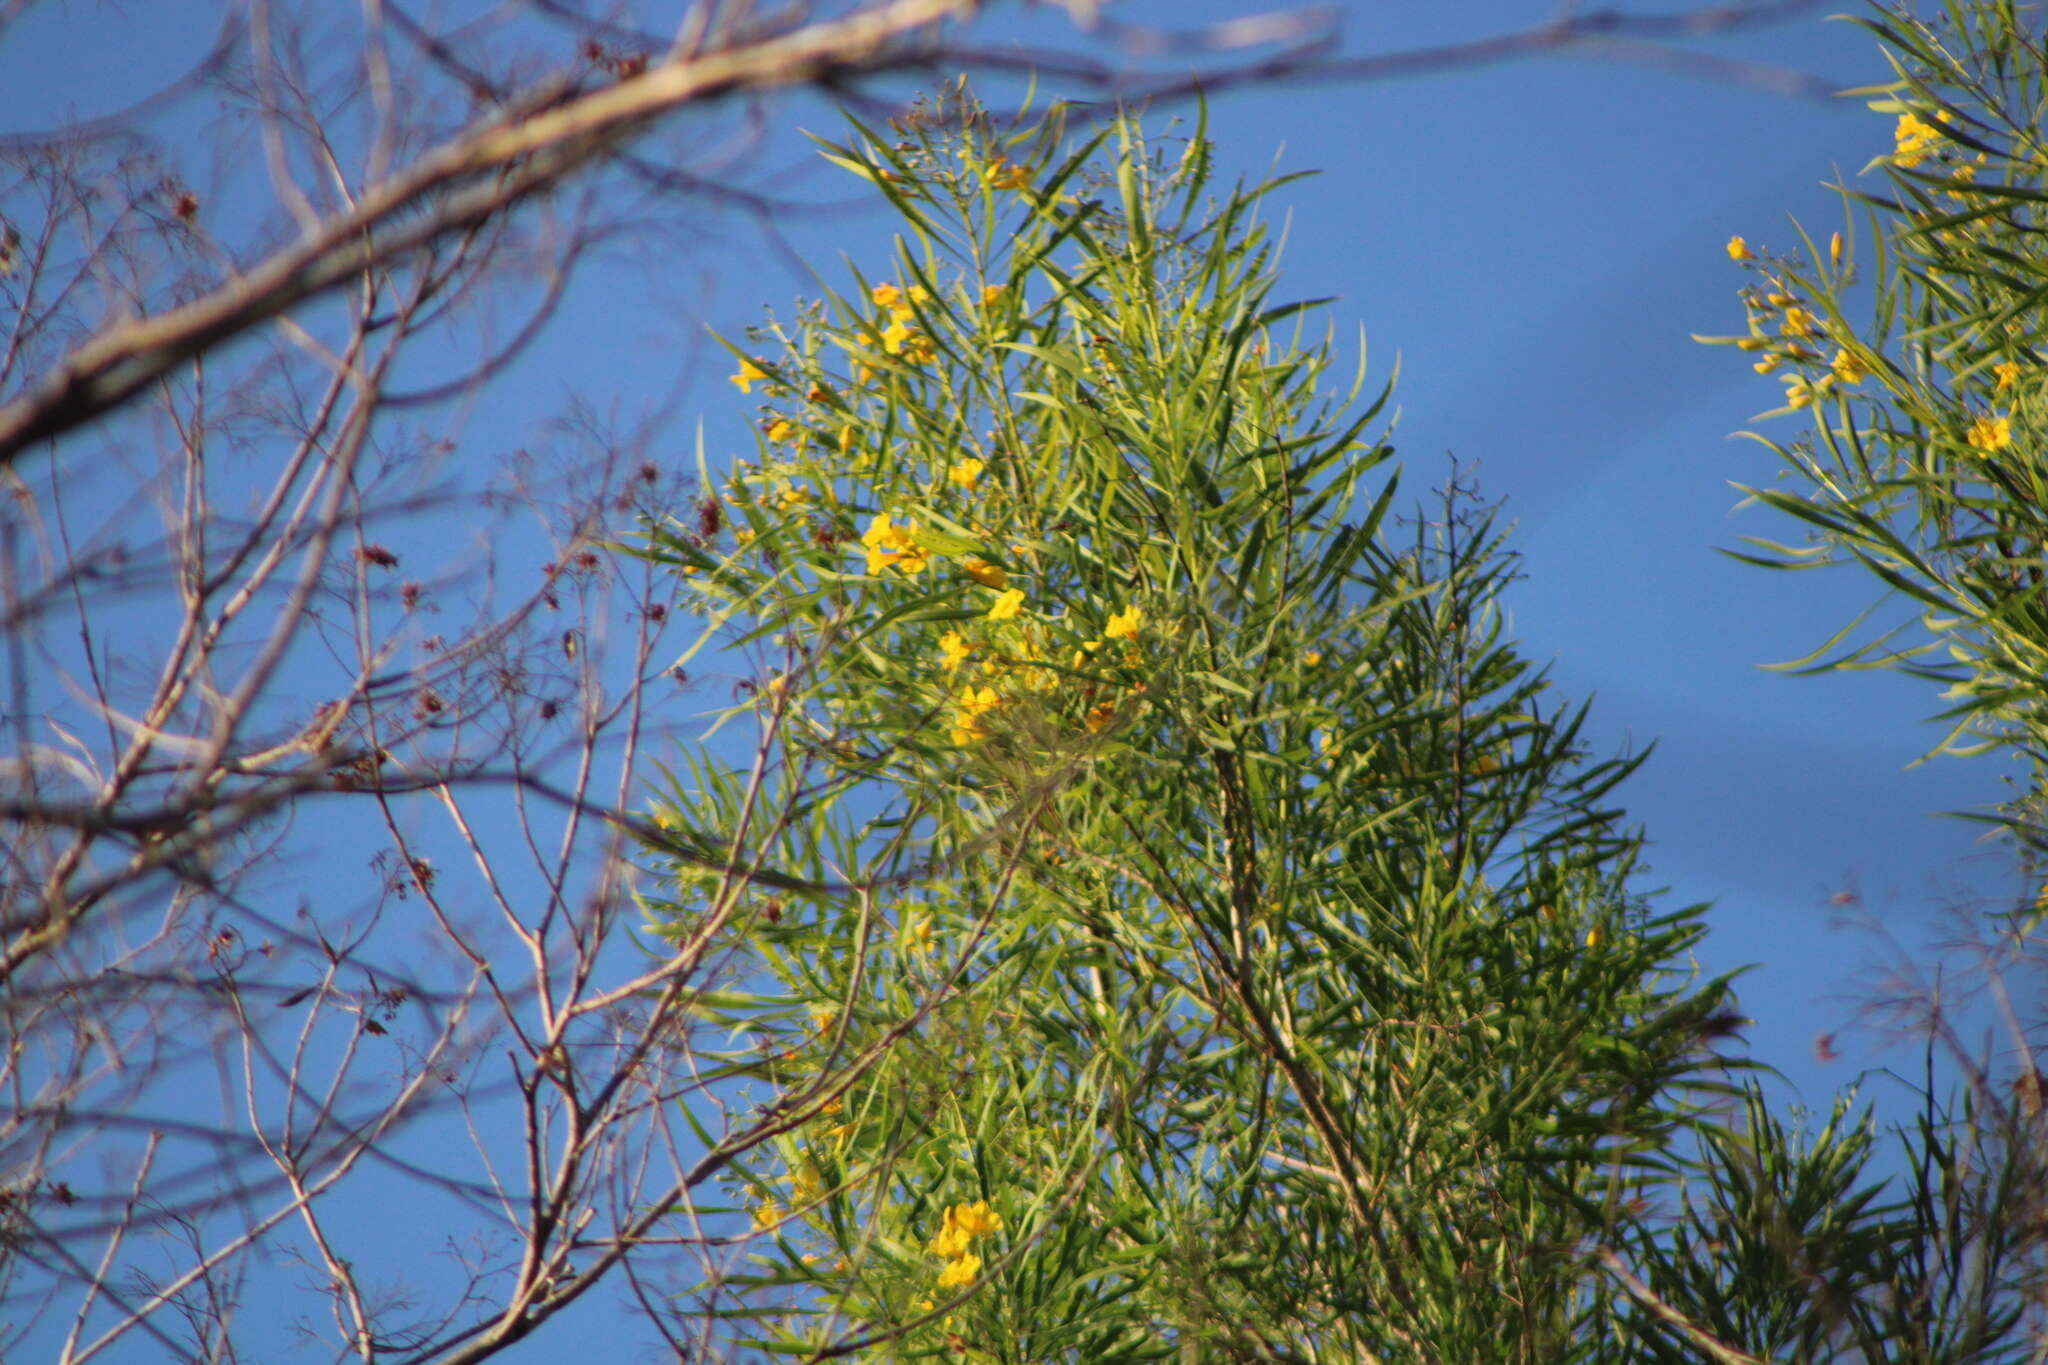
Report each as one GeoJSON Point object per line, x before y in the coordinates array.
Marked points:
{"type": "Point", "coordinates": [323, 1016]}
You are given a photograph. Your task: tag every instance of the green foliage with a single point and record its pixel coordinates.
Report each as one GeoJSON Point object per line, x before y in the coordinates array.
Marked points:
{"type": "Point", "coordinates": [1923, 372]}
{"type": "Point", "coordinates": [1786, 1244]}
{"type": "Point", "coordinates": [1194, 931]}
{"type": "Point", "coordinates": [1924, 376]}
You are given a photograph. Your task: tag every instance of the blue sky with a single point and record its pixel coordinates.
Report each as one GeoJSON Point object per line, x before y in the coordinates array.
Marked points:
{"type": "Point", "coordinates": [1535, 242]}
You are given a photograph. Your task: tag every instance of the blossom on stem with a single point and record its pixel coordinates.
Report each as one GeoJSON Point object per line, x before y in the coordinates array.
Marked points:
{"type": "Point", "coordinates": [961, 1272]}
{"type": "Point", "coordinates": [1003, 174]}
{"type": "Point", "coordinates": [891, 546]}
{"type": "Point", "coordinates": [962, 1224]}
{"type": "Point", "coordinates": [973, 704]}
{"type": "Point", "coordinates": [987, 574]}
{"type": "Point", "coordinates": [1989, 433]}
{"type": "Point", "coordinates": [1912, 138]}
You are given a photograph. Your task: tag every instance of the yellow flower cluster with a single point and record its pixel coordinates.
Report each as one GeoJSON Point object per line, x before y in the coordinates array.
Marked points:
{"type": "Point", "coordinates": [890, 546]}
{"type": "Point", "coordinates": [1991, 433]}
{"type": "Point", "coordinates": [1912, 140]}
{"type": "Point", "coordinates": [1796, 326]}
{"type": "Point", "coordinates": [1003, 174]}
{"type": "Point", "coordinates": [973, 703]}
{"type": "Point", "coordinates": [899, 337]}
{"type": "Point", "coordinates": [1798, 322]}
{"type": "Point", "coordinates": [963, 1223]}
{"type": "Point", "coordinates": [1009, 650]}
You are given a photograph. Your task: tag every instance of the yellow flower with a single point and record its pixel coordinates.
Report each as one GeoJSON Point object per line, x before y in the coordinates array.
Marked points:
{"type": "Point", "coordinates": [744, 535]}
{"type": "Point", "coordinates": [1007, 605]}
{"type": "Point", "coordinates": [791, 496]}
{"type": "Point", "coordinates": [1004, 175]}
{"type": "Point", "coordinates": [807, 1184]}
{"type": "Point", "coordinates": [894, 335]}
{"type": "Point", "coordinates": [921, 936]}
{"type": "Point", "coordinates": [2008, 373]}
{"type": "Point", "coordinates": [1101, 717]}
{"type": "Point", "coordinates": [1123, 625]}
{"type": "Point", "coordinates": [749, 372]}
{"type": "Point", "coordinates": [987, 574]}
{"type": "Point", "coordinates": [889, 546]}
{"type": "Point", "coordinates": [1738, 250]}
{"type": "Point", "coordinates": [781, 430]}
{"type": "Point", "coordinates": [1991, 433]}
{"type": "Point", "coordinates": [967, 473]}
{"type": "Point", "coordinates": [768, 1214]}
{"type": "Point", "coordinates": [887, 296]}
{"type": "Point", "coordinates": [918, 349]}
{"type": "Point", "coordinates": [1766, 365]}
{"type": "Point", "coordinates": [974, 703]}
{"type": "Point", "coordinates": [1835, 250]}
{"type": "Point", "coordinates": [1312, 658]}
{"type": "Point", "coordinates": [1799, 393]}
{"type": "Point", "coordinates": [1595, 936]}
{"type": "Point", "coordinates": [960, 1272]}
{"type": "Point", "coordinates": [1912, 137]}
{"type": "Point", "coordinates": [1798, 323]}
{"type": "Point", "coordinates": [990, 293]}
{"type": "Point", "coordinates": [962, 1224]}
{"type": "Point", "coordinates": [978, 1219]}
{"type": "Point", "coordinates": [1847, 368]}
{"type": "Point", "coordinates": [955, 647]}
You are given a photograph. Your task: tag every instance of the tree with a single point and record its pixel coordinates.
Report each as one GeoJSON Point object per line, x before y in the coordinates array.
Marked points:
{"type": "Point", "coordinates": [1912, 339]}
{"type": "Point", "coordinates": [224, 1063]}
{"type": "Point", "coordinates": [1203, 937]}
